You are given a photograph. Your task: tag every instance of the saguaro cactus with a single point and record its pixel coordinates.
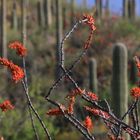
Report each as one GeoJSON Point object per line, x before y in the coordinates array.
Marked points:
{"type": "Point", "coordinates": [131, 9]}
{"type": "Point", "coordinates": [40, 11]}
{"type": "Point", "coordinates": [64, 14]}
{"type": "Point", "coordinates": [48, 13]}
{"type": "Point", "coordinates": [120, 80]}
{"type": "Point", "coordinates": [125, 8]}
{"type": "Point", "coordinates": [99, 8]}
{"type": "Point", "coordinates": [3, 29]}
{"type": "Point", "coordinates": [107, 11]}
{"type": "Point", "coordinates": [72, 12]}
{"type": "Point", "coordinates": [59, 26]}
{"type": "Point", "coordinates": [93, 75]}
{"type": "Point", "coordinates": [14, 23]}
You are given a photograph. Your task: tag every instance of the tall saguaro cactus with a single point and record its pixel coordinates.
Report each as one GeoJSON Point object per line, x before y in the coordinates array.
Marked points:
{"type": "Point", "coordinates": [93, 75]}
{"type": "Point", "coordinates": [40, 12]}
{"type": "Point", "coordinates": [119, 80]}
{"type": "Point", "coordinates": [14, 23]}
{"type": "Point", "coordinates": [72, 12]}
{"type": "Point", "coordinates": [59, 27]}
{"type": "Point", "coordinates": [24, 21]}
{"type": "Point", "coordinates": [99, 8]}
{"type": "Point", "coordinates": [107, 11]}
{"type": "Point", "coordinates": [125, 8]}
{"type": "Point", "coordinates": [131, 9]}
{"type": "Point", "coordinates": [48, 13]}
{"type": "Point", "coordinates": [3, 29]}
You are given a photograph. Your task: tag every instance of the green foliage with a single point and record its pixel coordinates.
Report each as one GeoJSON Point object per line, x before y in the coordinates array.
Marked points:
{"type": "Point", "coordinates": [68, 136]}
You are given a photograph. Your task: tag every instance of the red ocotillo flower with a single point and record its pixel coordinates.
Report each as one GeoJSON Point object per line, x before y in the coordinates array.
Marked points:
{"type": "Point", "coordinates": [93, 96]}
{"type": "Point", "coordinates": [20, 49]}
{"type": "Point", "coordinates": [98, 112]}
{"type": "Point", "coordinates": [75, 92]}
{"type": "Point", "coordinates": [71, 105]}
{"type": "Point", "coordinates": [135, 92]}
{"type": "Point", "coordinates": [6, 105]}
{"type": "Point", "coordinates": [54, 112]}
{"type": "Point", "coordinates": [137, 61]}
{"type": "Point", "coordinates": [16, 71]}
{"type": "Point", "coordinates": [88, 123]}
{"type": "Point", "coordinates": [57, 111]}
{"type": "Point", "coordinates": [90, 21]}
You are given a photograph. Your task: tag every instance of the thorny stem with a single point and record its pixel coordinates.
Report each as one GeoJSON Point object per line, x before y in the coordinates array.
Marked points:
{"type": "Point", "coordinates": [33, 125]}
{"type": "Point", "coordinates": [26, 86]}
{"type": "Point", "coordinates": [67, 36]}
{"type": "Point", "coordinates": [30, 105]}
{"type": "Point", "coordinates": [62, 56]}
{"type": "Point", "coordinates": [35, 112]}
{"type": "Point", "coordinates": [74, 121]}
{"type": "Point", "coordinates": [64, 74]}
{"type": "Point", "coordinates": [136, 114]}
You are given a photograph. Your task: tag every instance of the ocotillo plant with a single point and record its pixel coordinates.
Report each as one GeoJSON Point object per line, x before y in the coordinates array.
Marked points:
{"type": "Point", "coordinates": [14, 22]}
{"type": "Point", "coordinates": [93, 84]}
{"type": "Point", "coordinates": [3, 29]}
{"type": "Point", "coordinates": [47, 13]}
{"type": "Point", "coordinates": [125, 8]}
{"type": "Point", "coordinates": [40, 12]}
{"type": "Point", "coordinates": [119, 80]}
{"type": "Point", "coordinates": [59, 26]}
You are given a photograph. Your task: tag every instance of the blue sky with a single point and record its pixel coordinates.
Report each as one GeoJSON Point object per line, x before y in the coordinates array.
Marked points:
{"type": "Point", "coordinates": [115, 5]}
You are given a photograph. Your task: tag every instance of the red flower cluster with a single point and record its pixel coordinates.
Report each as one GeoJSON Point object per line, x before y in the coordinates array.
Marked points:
{"type": "Point", "coordinates": [16, 71]}
{"type": "Point", "coordinates": [90, 21]}
{"type": "Point", "coordinates": [71, 105]}
{"type": "Point", "coordinates": [88, 123]}
{"type": "Point", "coordinates": [75, 92]}
{"type": "Point", "coordinates": [93, 96]}
{"type": "Point", "coordinates": [57, 111]}
{"type": "Point", "coordinates": [6, 105]}
{"type": "Point", "coordinates": [135, 92]}
{"type": "Point", "coordinates": [98, 112]}
{"type": "Point", "coordinates": [20, 49]}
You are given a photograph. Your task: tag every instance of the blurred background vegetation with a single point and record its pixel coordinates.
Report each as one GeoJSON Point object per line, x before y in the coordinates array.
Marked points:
{"type": "Point", "coordinates": [39, 21]}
